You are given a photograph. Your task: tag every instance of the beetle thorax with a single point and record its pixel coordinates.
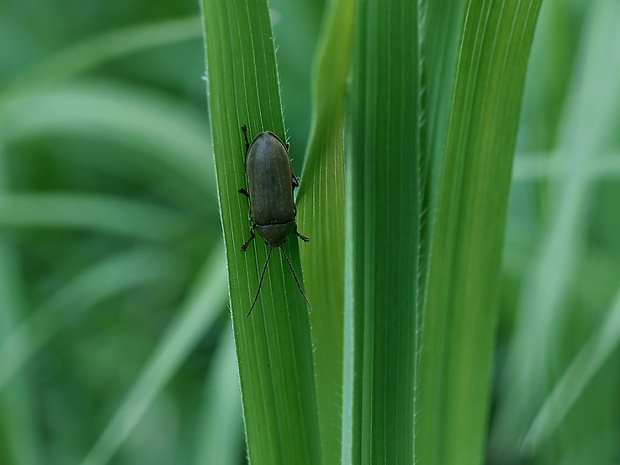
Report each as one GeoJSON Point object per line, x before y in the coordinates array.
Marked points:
{"type": "Point", "coordinates": [275, 234]}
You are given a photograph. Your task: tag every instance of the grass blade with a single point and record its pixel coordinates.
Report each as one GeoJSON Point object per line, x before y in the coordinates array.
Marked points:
{"type": "Point", "coordinates": [322, 212]}
{"type": "Point", "coordinates": [382, 236]}
{"type": "Point", "coordinates": [274, 350]}
{"type": "Point", "coordinates": [197, 313]}
{"type": "Point", "coordinates": [467, 231]}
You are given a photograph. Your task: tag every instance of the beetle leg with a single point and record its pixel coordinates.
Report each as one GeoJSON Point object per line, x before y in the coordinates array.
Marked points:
{"type": "Point", "coordinates": [245, 245]}
{"type": "Point", "coordinates": [241, 190]}
{"type": "Point", "coordinates": [244, 128]}
{"type": "Point", "coordinates": [295, 181]}
{"type": "Point", "coordinates": [301, 236]}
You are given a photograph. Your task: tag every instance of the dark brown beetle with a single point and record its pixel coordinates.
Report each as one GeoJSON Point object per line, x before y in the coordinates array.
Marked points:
{"type": "Point", "coordinates": [271, 183]}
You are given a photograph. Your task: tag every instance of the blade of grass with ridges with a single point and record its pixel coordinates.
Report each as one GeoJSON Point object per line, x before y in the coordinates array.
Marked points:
{"type": "Point", "coordinates": [467, 231]}
{"type": "Point", "coordinates": [321, 207]}
{"type": "Point", "coordinates": [383, 211]}
{"type": "Point", "coordinates": [274, 349]}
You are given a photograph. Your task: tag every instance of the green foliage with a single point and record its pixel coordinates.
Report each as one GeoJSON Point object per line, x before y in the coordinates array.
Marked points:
{"type": "Point", "coordinates": [116, 188]}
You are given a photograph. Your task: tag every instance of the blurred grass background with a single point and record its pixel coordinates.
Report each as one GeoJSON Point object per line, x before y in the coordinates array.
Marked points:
{"type": "Point", "coordinates": [113, 317]}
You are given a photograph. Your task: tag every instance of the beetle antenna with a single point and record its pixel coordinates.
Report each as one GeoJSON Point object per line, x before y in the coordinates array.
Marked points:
{"type": "Point", "coordinates": [296, 279]}
{"type": "Point", "coordinates": [260, 281]}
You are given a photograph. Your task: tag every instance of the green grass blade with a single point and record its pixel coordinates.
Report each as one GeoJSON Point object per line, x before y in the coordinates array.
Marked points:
{"type": "Point", "coordinates": [322, 212]}
{"type": "Point", "coordinates": [382, 236]}
{"type": "Point", "coordinates": [467, 231]}
{"type": "Point", "coordinates": [274, 350]}
{"type": "Point", "coordinates": [196, 314]}
{"type": "Point", "coordinates": [439, 49]}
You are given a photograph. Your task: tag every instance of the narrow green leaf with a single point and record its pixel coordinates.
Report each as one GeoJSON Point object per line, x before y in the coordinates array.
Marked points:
{"type": "Point", "coordinates": [440, 41]}
{"type": "Point", "coordinates": [467, 231]}
{"type": "Point", "coordinates": [322, 212]}
{"type": "Point", "coordinates": [382, 236]}
{"type": "Point", "coordinates": [197, 313]}
{"type": "Point", "coordinates": [274, 350]}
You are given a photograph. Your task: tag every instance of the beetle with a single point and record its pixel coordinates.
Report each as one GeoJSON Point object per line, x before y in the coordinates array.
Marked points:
{"type": "Point", "coordinates": [271, 184]}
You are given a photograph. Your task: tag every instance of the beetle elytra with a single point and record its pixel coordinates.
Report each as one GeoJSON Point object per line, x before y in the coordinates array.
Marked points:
{"type": "Point", "coordinates": [271, 183]}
